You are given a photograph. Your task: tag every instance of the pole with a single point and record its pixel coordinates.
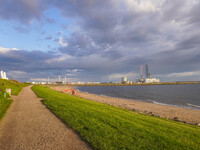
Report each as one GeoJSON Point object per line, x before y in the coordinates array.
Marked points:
{"type": "Point", "coordinates": [141, 71]}
{"type": "Point", "coordinates": [59, 78]}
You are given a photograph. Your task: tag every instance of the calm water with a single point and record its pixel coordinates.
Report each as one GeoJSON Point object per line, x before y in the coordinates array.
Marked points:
{"type": "Point", "coordinates": [185, 95]}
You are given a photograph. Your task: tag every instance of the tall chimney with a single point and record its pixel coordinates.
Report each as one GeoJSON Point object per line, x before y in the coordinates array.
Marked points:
{"type": "Point", "coordinates": [141, 71]}
{"type": "Point", "coordinates": [147, 71]}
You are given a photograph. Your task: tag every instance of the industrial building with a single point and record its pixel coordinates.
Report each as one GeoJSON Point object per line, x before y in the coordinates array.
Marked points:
{"type": "Point", "coordinates": [152, 80]}
{"type": "Point", "coordinates": [3, 75]}
{"type": "Point", "coordinates": [124, 79]}
{"type": "Point", "coordinates": [141, 80]}
{"type": "Point", "coordinates": [148, 78]}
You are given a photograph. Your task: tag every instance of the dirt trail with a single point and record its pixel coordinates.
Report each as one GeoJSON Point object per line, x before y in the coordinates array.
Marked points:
{"type": "Point", "coordinates": [29, 125]}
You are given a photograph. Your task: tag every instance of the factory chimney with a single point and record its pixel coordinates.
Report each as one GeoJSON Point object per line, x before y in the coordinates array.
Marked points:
{"type": "Point", "coordinates": [147, 72]}
{"type": "Point", "coordinates": [141, 76]}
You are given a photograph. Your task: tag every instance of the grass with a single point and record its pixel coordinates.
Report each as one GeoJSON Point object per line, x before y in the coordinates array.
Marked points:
{"type": "Point", "coordinates": [15, 89]}
{"type": "Point", "coordinates": [107, 127]}
{"type": "Point", "coordinates": [4, 105]}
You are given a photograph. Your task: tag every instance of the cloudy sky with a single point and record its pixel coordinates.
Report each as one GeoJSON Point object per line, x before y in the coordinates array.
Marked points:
{"type": "Point", "coordinates": [100, 40]}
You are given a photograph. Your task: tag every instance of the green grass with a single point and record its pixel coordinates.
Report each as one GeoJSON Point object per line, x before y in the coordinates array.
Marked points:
{"type": "Point", "coordinates": [107, 127]}
{"type": "Point", "coordinates": [15, 89]}
{"type": "Point", "coordinates": [4, 105]}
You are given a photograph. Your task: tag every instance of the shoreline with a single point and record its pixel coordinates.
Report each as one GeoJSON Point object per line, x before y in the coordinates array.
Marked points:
{"type": "Point", "coordinates": [135, 84]}
{"type": "Point", "coordinates": [188, 106]}
{"type": "Point", "coordinates": [185, 115]}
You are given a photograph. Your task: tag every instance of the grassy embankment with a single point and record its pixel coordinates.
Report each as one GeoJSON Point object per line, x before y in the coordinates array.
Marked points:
{"type": "Point", "coordinates": [107, 127]}
{"type": "Point", "coordinates": [15, 89]}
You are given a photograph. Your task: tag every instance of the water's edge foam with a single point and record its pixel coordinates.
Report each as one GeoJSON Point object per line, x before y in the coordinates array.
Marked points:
{"type": "Point", "coordinates": [188, 106]}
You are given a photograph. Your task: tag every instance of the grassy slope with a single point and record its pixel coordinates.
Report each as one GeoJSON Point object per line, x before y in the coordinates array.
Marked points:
{"type": "Point", "coordinates": [14, 86]}
{"type": "Point", "coordinates": [109, 127]}
{"type": "Point", "coordinates": [4, 105]}
{"type": "Point", "coordinates": [15, 89]}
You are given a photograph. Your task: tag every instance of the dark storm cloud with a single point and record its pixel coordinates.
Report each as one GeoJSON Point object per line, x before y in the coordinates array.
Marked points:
{"type": "Point", "coordinates": [79, 44]}
{"type": "Point", "coordinates": [104, 24]}
{"type": "Point", "coordinates": [175, 10]}
{"type": "Point", "coordinates": [23, 11]}
{"type": "Point", "coordinates": [194, 14]}
{"type": "Point", "coordinates": [30, 64]}
{"type": "Point", "coordinates": [109, 36]}
{"type": "Point", "coordinates": [108, 21]}
{"type": "Point", "coordinates": [174, 61]}
{"type": "Point", "coordinates": [23, 65]}
{"type": "Point", "coordinates": [189, 43]}
{"type": "Point", "coordinates": [24, 60]}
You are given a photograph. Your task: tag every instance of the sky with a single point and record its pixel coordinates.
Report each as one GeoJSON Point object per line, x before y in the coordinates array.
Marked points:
{"type": "Point", "coordinates": [100, 40]}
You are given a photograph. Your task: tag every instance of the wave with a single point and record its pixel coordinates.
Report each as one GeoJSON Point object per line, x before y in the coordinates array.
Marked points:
{"type": "Point", "coordinates": [187, 105]}
{"type": "Point", "coordinates": [104, 95]}
{"type": "Point", "coordinates": [162, 103]}
{"type": "Point", "coordinates": [193, 105]}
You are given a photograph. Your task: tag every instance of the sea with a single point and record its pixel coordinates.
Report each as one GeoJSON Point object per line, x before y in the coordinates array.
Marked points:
{"type": "Point", "coordinates": [182, 95]}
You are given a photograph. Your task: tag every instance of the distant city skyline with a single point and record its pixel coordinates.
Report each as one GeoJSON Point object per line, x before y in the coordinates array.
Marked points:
{"type": "Point", "coordinates": [102, 40]}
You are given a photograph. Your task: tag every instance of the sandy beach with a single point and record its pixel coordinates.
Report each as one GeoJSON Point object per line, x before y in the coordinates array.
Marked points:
{"type": "Point", "coordinates": [170, 112]}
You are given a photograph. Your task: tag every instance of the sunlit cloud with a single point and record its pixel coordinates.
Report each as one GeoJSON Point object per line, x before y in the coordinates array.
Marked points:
{"type": "Point", "coordinates": [4, 50]}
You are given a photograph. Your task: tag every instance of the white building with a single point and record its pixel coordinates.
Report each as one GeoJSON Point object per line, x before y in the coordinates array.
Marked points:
{"type": "Point", "coordinates": [3, 75]}
{"type": "Point", "coordinates": [124, 79]}
{"type": "Point", "coordinates": [152, 80]}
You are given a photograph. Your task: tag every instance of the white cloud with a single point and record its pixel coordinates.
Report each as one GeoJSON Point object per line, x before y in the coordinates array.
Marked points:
{"type": "Point", "coordinates": [144, 5]}
{"type": "Point", "coordinates": [54, 79]}
{"type": "Point", "coordinates": [176, 75]}
{"type": "Point", "coordinates": [15, 74]}
{"type": "Point", "coordinates": [4, 50]}
{"type": "Point", "coordinates": [118, 76]}
{"type": "Point", "coordinates": [39, 79]}
{"type": "Point", "coordinates": [184, 74]}
{"type": "Point", "coordinates": [74, 70]}
{"type": "Point", "coordinates": [59, 59]}
{"type": "Point", "coordinates": [62, 43]}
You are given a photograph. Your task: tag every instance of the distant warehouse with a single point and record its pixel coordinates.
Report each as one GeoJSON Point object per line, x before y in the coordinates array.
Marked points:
{"type": "Point", "coordinates": [152, 80]}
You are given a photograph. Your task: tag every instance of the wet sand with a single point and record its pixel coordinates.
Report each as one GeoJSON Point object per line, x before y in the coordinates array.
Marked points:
{"type": "Point", "coordinates": [185, 115]}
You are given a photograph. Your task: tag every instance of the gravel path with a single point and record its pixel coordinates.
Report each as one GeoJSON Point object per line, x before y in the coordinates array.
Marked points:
{"type": "Point", "coordinates": [29, 125]}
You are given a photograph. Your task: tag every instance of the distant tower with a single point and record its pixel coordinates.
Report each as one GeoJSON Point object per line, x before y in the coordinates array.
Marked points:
{"type": "Point", "coordinates": [147, 72]}
{"type": "Point", "coordinates": [2, 74]}
{"type": "Point", "coordinates": [65, 80]}
{"type": "Point", "coordinates": [141, 76]}
{"type": "Point", "coordinates": [59, 78]}
{"type": "Point", "coordinates": [124, 79]}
